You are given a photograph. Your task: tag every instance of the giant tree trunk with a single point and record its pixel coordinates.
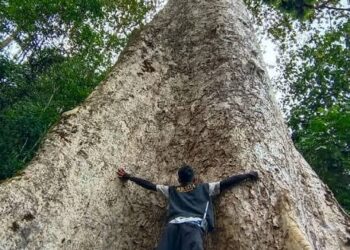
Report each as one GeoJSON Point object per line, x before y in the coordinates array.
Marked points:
{"type": "Point", "coordinates": [190, 88]}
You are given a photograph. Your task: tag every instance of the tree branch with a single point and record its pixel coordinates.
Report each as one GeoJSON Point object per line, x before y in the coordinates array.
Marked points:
{"type": "Point", "coordinates": [6, 42]}
{"type": "Point", "coordinates": [8, 39]}
{"type": "Point", "coordinates": [336, 8]}
{"type": "Point", "coordinates": [324, 6]}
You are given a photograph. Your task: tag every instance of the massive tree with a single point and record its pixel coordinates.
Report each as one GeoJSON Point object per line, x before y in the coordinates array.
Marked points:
{"type": "Point", "coordinates": [189, 87]}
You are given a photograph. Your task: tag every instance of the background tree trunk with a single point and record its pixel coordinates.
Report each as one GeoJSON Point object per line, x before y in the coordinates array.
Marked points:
{"type": "Point", "coordinates": [190, 87]}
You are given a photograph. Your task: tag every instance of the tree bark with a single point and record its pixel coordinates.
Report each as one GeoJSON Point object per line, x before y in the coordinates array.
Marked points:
{"type": "Point", "coordinates": [190, 87]}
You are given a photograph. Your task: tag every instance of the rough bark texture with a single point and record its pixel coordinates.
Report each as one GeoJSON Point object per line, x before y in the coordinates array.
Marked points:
{"type": "Point", "coordinates": [190, 87]}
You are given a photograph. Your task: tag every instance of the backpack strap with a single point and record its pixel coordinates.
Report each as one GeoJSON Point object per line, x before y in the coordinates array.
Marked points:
{"type": "Point", "coordinates": [204, 221]}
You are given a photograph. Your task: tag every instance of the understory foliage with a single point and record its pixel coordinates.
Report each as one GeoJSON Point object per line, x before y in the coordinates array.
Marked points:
{"type": "Point", "coordinates": [314, 39]}
{"type": "Point", "coordinates": [53, 54]}
{"type": "Point", "coordinates": [319, 98]}
{"type": "Point", "coordinates": [325, 144]}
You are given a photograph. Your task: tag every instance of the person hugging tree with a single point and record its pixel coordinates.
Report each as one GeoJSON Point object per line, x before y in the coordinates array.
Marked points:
{"type": "Point", "coordinates": [190, 208]}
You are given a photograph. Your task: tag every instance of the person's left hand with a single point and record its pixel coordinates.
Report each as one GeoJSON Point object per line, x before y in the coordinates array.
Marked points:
{"type": "Point", "coordinates": [122, 174]}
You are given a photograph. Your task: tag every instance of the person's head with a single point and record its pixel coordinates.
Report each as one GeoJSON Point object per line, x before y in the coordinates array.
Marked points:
{"type": "Point", "coordinates": [185, 174]}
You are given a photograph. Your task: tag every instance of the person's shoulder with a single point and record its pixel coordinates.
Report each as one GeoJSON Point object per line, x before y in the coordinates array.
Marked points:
{"type": "Point", "coordinates": [163, 189]}
{"type": "Point", "coordinates": [172, 187]}
{"type": "Point", "coordinates": [204, 185]}
{"type": "Point", "coordinates": [213, 188]}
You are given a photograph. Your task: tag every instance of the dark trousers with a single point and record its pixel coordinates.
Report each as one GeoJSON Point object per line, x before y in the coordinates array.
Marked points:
{"type": "Point", "coordinates": [183, 236]}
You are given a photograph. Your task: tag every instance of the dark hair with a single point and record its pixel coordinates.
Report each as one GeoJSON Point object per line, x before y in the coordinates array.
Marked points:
{"type": "Point", "coordinates": [186, 174]}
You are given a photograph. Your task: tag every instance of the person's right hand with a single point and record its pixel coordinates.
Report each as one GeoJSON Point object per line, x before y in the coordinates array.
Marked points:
{"type": "Point", "coordinates": [122, 174]}
{"type": "Point", "coordinates": [254, 175]}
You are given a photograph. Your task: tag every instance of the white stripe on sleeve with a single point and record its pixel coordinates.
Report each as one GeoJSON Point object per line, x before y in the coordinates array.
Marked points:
{"type": "Point", "coordinates": [214, 188]}
{"type": "Point", "coordinates": [163, 189]}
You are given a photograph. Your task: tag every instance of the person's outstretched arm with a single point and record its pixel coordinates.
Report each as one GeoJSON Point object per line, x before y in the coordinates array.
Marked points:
{"type": "Point", "coordinates": [236, 179]}
{"type": "Point", "coordinates": [141, 182]}
{"type": "Point", "coordinates": [216, 188]}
